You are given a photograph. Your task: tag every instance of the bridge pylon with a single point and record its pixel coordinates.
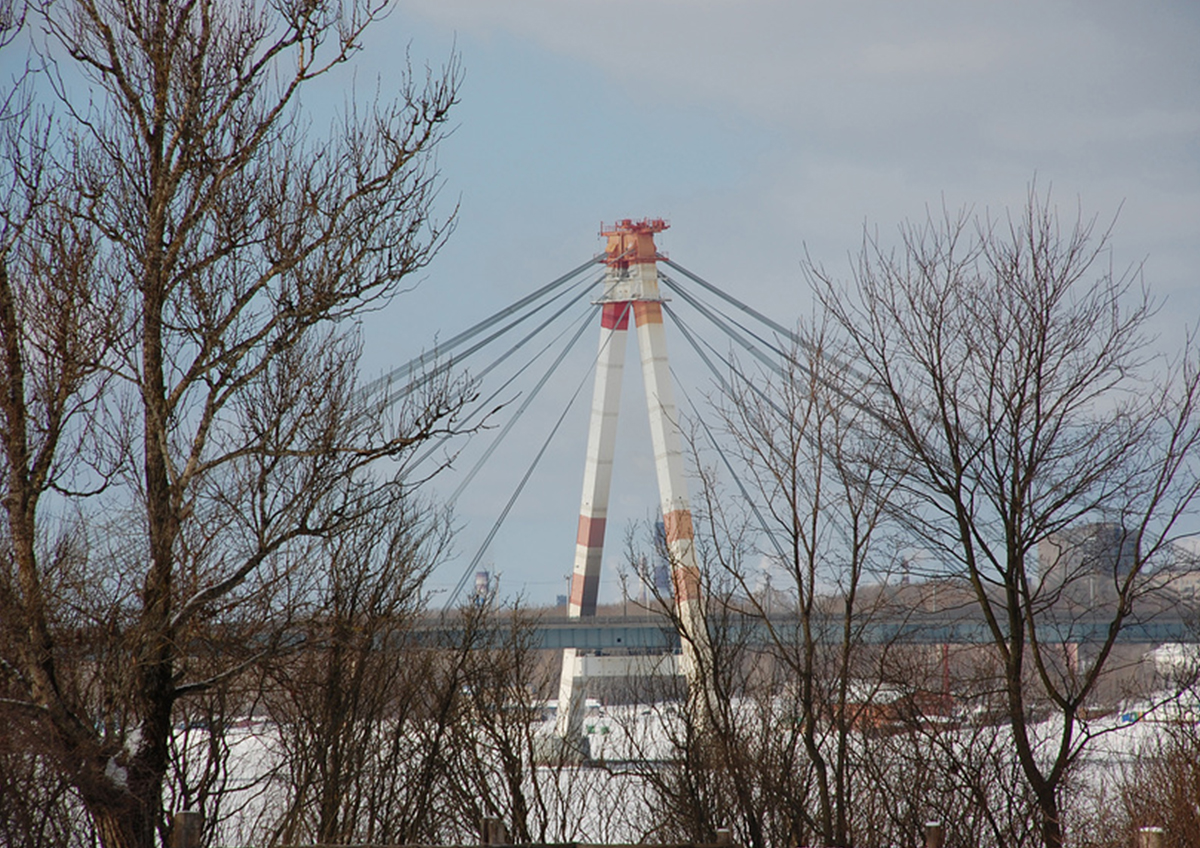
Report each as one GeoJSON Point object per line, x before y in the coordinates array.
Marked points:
{"type": "Point", "coordinates": [631, 292]}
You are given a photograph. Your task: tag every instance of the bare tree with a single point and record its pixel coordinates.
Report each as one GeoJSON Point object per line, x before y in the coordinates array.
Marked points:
{"type": "Point", "coordinates": [349, 703]}
{"type": "Point", "coordinates": [499, 769]}
{"type": "Point", "coordinates": [699, 772]}
{"type": "Point", "coordinates": [797, 663]}
{"type": "Point", "coordinates": [1022, 405]}
{"type": "Point", "coordinates": [808, 450]}
{"type": "Point", "coordinates": [182, 269]}
{"type": "Point", "coordinates": [55, 331]}
{"type": "Point", "coordinates": [1160, 786]}
{"type": "Point", "coordinates": [12, 18]}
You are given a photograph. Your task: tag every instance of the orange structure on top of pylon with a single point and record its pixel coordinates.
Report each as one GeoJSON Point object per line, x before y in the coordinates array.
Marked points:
{"type": "Point", "coordinates": [631, 242]}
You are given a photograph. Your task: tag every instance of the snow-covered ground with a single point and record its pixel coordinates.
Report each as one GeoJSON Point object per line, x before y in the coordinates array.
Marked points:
{"type": "Point", "coordinates": [619, 736]}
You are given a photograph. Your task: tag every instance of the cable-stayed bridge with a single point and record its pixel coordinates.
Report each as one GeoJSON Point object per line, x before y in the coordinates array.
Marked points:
{"type": "Point", "coordinates": [631, 287]}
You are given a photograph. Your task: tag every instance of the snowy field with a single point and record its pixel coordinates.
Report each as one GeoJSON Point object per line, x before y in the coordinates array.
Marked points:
{"type": "Point", "coordinates": [622, 737]}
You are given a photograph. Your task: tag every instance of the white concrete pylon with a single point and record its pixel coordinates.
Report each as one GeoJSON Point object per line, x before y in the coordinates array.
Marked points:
{"type": "Point", "coordinates": [631, 288]}
{"type": "Point", "coordinates": [597, 473]}
{"type": "Point", "coordinates": [676, 510]}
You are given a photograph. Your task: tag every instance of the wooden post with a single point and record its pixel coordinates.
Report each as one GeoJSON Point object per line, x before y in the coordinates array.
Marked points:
{"type": "Point", "coordinates": [187, 827]}
{"type": "Point", "coordinates": [935, 835]}
{"type": "Point", "coordinates": [1151, 837]}
{"type": "Point", "coordinates": [724, 836]}
{"type": "Point", "coordinates": [492, 831]}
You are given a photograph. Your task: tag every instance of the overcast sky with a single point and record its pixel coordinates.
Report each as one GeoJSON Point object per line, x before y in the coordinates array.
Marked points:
{"type": "Point", "coordinates": [759, 130]}
{"type": "Point", "coordinates": [756, 127]}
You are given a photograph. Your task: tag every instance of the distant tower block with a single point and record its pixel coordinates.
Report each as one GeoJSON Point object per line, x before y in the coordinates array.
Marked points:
{"type": "Point", "coordinates": [631, 291]}
{"type": "Point", "coordinates": [483, 586]}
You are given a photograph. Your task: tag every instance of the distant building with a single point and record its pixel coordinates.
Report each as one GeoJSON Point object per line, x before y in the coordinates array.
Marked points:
{"type": "Point", "coordinates": [1175, 661]}
{"type": "Point", "coordinates": [483, 588]}
{"type": "Point", "coordinates": [1085, 554]}
{"type": "Point", "coordinates": [662, 580]}
{"type": "Point", "coordinates": [656, 575]}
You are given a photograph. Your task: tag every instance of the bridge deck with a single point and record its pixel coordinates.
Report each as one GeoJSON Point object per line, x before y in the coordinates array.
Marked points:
{"type": "Point", "coordinates": [655, 634]}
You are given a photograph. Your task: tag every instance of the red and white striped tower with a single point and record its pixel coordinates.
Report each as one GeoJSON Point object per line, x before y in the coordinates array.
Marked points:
{"type": "Point", "coordinates": [631, 289]}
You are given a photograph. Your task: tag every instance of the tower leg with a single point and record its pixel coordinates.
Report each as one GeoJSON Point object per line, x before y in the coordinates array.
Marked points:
{"type": "Point", "coordinates": [593, 510]}
{"type": "Point", "coordinates": [676, 511]}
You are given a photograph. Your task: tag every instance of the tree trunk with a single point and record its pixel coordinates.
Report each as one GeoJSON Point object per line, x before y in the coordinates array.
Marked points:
{"type": "Point", "coordinates": [120, 828]}
{"type": "Point", "coordinates": [1051, 824]}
